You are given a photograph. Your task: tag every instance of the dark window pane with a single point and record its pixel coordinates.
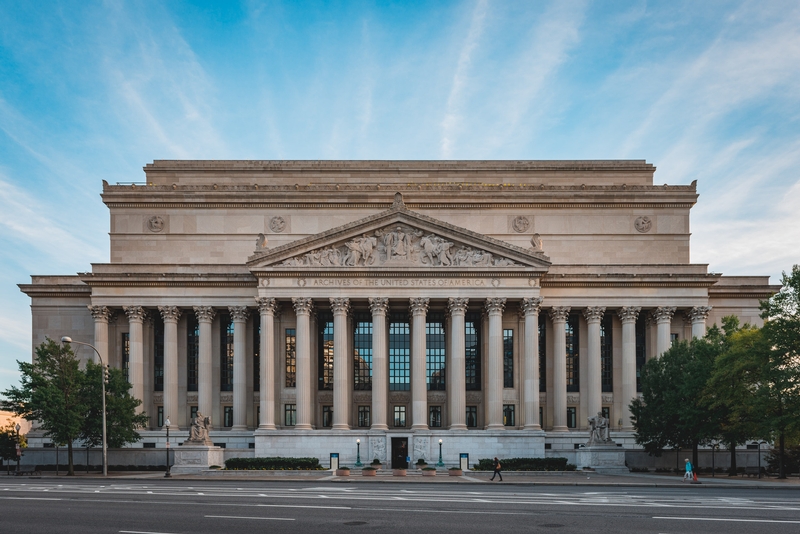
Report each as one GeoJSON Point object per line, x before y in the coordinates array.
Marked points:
{"type": "Point", "coordinates": [573, 359]}
{"type": "Point", "coordinates": [325, 347]}
{"type": "Point", "coordinates": [363, 416]}
{"type": "Point", "coordinates": [257, 354]}
{"type": "Point", "coordinates": [508, 358]}
{"type": "Point", "coordinates": [472, 327]}
{"type": "Point", "coordinates": [435, 351]}
{"type": "Point", "coordinates": [192, 352]}
{"type": "Point", "coordinates": [226, 353]}
{"type": "Point", "coordinates": [641, 349]}
{"type": "Point", "coordinates": [399, 355]}
{"type": "Point", "coordinates": [327, 416]}
{"type": "Point", "coordinates": [362, 352]}
{"type": "Point", "coordinates": [291, 358]}
{"type": "Point", "coordinates": [126, 355]}
{"type": "Point", "coordinates": [472, 416]}
{"type": "Point", "coordinates": [508, 415]}
{"type": "Point", "coordinates": [542, 353]}
{"type": "Point", "coordinates": [606, 355]}
{"type": "Point", "coordinates": [435, 416]}
{"type": "Point", "coordinates": [158, 352]}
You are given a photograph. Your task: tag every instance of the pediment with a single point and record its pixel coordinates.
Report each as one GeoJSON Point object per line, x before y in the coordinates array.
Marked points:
{"type": "Point", "coordinates": [398, 239]}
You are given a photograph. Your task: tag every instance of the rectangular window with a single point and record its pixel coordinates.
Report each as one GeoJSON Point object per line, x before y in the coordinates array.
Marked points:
{"type": "Point", "coordinates": [226, 353]}
{"type": "Point", "coordinates": [434, 416]}
{"type": "Point", "coordinates": [289, 414]}
{"type": "Point", "coordinates": [435, 344]}
{"type": "Point", "coordinates": [158, 352]}
{"type": "Point", "coordinates": [606, 411]}
{"type": "Point", "coordinates": [472, 416]}
{"type": "Point", "coordinates": [641, 349]}
{"type": "Point", "coordinates": [572, 417]}
{"type": "Point", "coordinates": [327, 416]}
{"type": "Point", "coordinates": [573, 359]}
{"type": "Point", "coordinates": [364, 420]}
{"type": "Point", "coordinates": [606, 355]}
{"type": "Point", "coordinates": [508, 358]}
{"type": "Point", "coordinates": [673, 338]}
{"type": "Point", "coordinates": [508, 415]}
{"type": "Point", "coordinates": [399, 354]}
{"type": "Point", "coordinates": [192, 413]}
{"type": "Point", "coordinates": [362, 352]}
{"type": "Point", "coordinates": [257, 354]}
{"type": "Point", "coordinates": [227, 416]}
{"type": "Point", "coordinates": [472, 331]}
{"type": "Point", "coordinates": [291, 358]}
{"type": "Point", "coordinates": [159, 416]}
{"type": "Point", "coordinates": [399, 416]}
{"type": "Point", "coordinates": [192, 352]}
{"type": "Point", "coordinates": [325, 347]}
{"type": "Point", "coordinates": [542, 354]}
{"type": "Point", "coordinates": [126, 355]}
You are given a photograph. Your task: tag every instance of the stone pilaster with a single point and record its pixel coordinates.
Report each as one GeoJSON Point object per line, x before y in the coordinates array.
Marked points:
{"type": "Point", "coordinates": [205, 402]}
{"type": "Point", "coordinates": [303, 308]}
{"type": "Point", "coordinates": [628, 316]}
{"type": "Point", "coordinates": [663, 316]}
{"type": "Point", "coordinates": [239, 316]}
{"type": "Point", "coordinates": [456, 364]}
{"type": "Point", "coordinates": [171, 315]}
{"type": "Point", "coordinates": [494, 397]}
{"type": "Point", "coordinates": [419, 387]}
{"type": "Point", "coordinates": [530, 367]}
{"type": "Point", "coordinates": [341, 376]}
{"type": "Point", "coordinates": [101, 316]}
{"type": "Point", "coordinates": [558, 316]}
{"type": "Point", "coordinates": [267, 309]}
{"type": "Point", "coordinates": [594, 397]}
{"type": "Point", "coordinates": [698, 316]}
{"type": "Point", "coordinates": [380, 365]}
{"type": "Point", "coordinates": [136, 316]}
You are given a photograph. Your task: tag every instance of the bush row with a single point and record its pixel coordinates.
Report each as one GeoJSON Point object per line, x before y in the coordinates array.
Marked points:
{"type": "Point", "coordinates": [526, 464]}
{"type": "Point", "coordinates": [285, 464]}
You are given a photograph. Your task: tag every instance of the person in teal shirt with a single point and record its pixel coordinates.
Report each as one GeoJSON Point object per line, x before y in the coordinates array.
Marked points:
{"type": "Point", "coordinates": [688, 473]}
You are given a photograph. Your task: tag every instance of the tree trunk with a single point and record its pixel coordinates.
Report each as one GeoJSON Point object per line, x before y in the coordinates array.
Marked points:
{"type": "Point", "coordinates": [695, 456]}
{"type": "Point", "coordinates": [70, 466]}
{"type": "Point", "coordinates": [781, 456]}
{"type": "Point", "coordinates": [732, 470]}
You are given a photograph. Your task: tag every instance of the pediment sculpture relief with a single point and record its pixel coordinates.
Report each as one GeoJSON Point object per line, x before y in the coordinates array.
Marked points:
{"type": "Point", "coordinates": [398, 245]}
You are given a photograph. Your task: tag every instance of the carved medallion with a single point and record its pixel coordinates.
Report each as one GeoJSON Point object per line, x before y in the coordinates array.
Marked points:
{"type": "Point", "coordinates": [277, 224]}
{"type": "Point", "coordinates": [521, 224]}
{"type": "Point", "coordinates": [155, 223]}
{"type": "Point", "coordinates": [643, 224]}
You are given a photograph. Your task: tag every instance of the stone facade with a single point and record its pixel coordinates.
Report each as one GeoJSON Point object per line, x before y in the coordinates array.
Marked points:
{"type": "Point", "coordinates": [240, 288]}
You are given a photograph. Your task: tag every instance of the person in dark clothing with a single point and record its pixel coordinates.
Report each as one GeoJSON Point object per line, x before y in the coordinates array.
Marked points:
{"type": "Point", "coordinates": [497, 467]}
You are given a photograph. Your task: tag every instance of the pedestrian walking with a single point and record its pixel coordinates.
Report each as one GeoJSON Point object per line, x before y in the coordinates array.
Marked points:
{"type": "Point", "coordinates": [497, 467]}
{"type": "Point", "coordinates": [688, 474]}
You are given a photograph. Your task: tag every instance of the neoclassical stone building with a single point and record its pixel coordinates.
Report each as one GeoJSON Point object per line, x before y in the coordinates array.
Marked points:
{"type": "Point", "coordinates": [378, 307]}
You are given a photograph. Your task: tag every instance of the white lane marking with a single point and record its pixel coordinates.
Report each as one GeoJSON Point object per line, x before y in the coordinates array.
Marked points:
{"type": "Point", "coordinates": [142, 532]}
{"type": "Point", "coordinates": [31, 499]}
{"type": "Point", "coordinates": [243, 517]}
{"type": "Point", "coordinates": [726, 519]}
{"type": "Point", "coordinates": [301, 506]}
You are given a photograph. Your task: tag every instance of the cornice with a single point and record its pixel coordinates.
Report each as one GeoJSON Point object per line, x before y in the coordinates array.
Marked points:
{"type": "Point", "coordinates": [628, 280]}
{"type": "Point", "coordinates": [55, 290]}
{"type": "Point", "coordinates": [169, 280]}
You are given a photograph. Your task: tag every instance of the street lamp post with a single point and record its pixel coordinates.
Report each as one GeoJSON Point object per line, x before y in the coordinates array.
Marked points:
{"type": "Point", "coordinates": [103, 378]}
{"type": "Point", "coordinates": [440, 463]}
{"type": "Point", "coordinates": [19, 447]}
{"type": "Point", "coordinates": [167, 474]}
{"type": "Point", "coordinates": [714, 446]}
{"type": "Point", "coordinates": [358, 453]}
{"type": "Point", "coordinates": [759, 444]}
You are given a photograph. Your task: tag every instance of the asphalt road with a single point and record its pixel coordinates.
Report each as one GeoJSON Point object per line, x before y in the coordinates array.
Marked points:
{"type": "Point", "coordinates": [180, 506]}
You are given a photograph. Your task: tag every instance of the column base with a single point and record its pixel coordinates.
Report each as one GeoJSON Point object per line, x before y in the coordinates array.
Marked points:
{"type": "Point", "coordinates": [379, 427]}
{"type": "Point", "coordinates": [267, 427]}
{"type": "Point", "coordinates": [419, 427]}
{"type": "Point", "coordinates": [340, 427]}
{"type": "Point", "coordinates": [532, 427]}
{"type": "Point", "coordinates": [458, 427]}
{"type": "Point", "coordinates": [303, 427]}
{"type": "Point", "coordinates": [496, 427]}
{"type": "Point", "coordinates": [559, 429]}
{"type": "Point", "coordinates": [239, 427]}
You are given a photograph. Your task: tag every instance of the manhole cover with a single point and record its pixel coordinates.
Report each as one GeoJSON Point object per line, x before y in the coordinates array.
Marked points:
{"type": "Point", "coordinates": [356, 523]}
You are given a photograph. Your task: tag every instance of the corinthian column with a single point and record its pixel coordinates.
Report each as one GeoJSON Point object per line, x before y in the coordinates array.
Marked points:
{"type": "Point", "coordinates": [456, 365]}
{"type": "Point", "coordinates": [594, 388]}
{"type": "Point", "coordinates": [239, 315]}
{"type": "Point", "coordinates": [559, 316]}
{"type": "Point", "coordinates": [663, 317]}
{"type": "Point", "coordinates": [101, 316]}
{"type": "Point", "coordinates": [341, 382]}
{"type": "Point", "coordinates": [205, 315]}
{"type": "Point", "coordinates": [419, 387]}
{"type": "Point", "coordinates": [380, 367]}
{"type": "Point", "coordinates": [494, 397]}
{"type": "Point", "coordinates": [698, 316]}
{"type": "Point", "coordinates": [136, 316]}
{"type": "Point", "coordinates": [628, 317]}
{"type": "Point", "coordinates": [171, 314]}
{"type": "Point", "coordinates": [267, 308]}
{"type": "Point", "coordinates": [530, 366]}
{"type": "Point", "coordinates": [303, 307]}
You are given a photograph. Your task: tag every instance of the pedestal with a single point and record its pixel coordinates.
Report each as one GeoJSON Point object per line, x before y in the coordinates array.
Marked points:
{"type": "Point", "coordinates": [603, 459]}
{"type": "Point", "coordinates": [197, 458]}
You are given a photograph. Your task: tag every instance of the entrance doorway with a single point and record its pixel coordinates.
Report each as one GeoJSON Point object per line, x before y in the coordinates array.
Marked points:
{"type": "Point", "coordinates": [399, 453]}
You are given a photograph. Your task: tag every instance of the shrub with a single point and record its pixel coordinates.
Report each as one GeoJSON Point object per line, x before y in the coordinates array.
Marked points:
{"type": "Point", "coordinates": [429, 469]}
{"type": "Point", "coordinates": [422, 461]}
{"type": "Point", "coordinates": [277, 463]}
{"type": "Point", "coordinates": [526, 464]}
{"type": "Point", "coordinates": [368, 468]}
{"type": "Point", "coordinates": [376, 462]}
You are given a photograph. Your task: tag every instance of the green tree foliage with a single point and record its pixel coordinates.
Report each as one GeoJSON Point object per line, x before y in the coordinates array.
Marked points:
{"type": "Point", "coordinates": [8, 443]}
{"type": "Point", "coordinates": [50, 392]}
{"type": "Point", "coordinates": [121, 417]}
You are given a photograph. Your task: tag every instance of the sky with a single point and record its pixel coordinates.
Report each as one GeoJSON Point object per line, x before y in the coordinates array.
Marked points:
{"type": "Point", "coordinates": [94, 90]}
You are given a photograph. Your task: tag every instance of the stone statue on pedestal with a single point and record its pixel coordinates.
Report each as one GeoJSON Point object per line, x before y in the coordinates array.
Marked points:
{"type": "Point", "coordinates": [198, 434]}
{"type": "Point", "coordinates": [599, 428]}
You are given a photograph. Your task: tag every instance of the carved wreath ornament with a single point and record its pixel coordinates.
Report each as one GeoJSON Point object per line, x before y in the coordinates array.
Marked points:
{"type": "Point", "coordinates": [643, 224]}
{"type": "Point", "coordinates": [398, 245]}
{"type": "Point", "coordinates": [155, 223]}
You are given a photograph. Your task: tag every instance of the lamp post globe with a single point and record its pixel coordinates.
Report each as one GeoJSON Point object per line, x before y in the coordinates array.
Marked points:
{"type": "Point", "coordinates": [440, 463]}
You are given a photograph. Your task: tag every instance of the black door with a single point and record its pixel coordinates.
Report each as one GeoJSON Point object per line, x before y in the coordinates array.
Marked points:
{"type": "Point", "coordinates": [399, 453]}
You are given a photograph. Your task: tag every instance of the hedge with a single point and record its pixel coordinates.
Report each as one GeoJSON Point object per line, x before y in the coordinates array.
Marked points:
{"type": "Point", "coordinates": [280, 464]}
{"type": "Point", "coordinates": [526, 464]}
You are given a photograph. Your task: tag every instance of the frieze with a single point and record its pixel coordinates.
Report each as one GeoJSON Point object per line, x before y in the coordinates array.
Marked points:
{"type": "Point", "coordinates": [608, 398]}
{"type": "Point", "coordinates": [228, 397]}
{"type": "Point", "coordinates": [325, 396]}
{"type": "Point", "coordinates": [191, 399]}
{"type": "Point", "coordinates": [362, 397]}
{"type": "Point", "coordinates": [398, 282]}
{"type": "Point", "coordinates": [158, 398]}
{"type": "Point", "coordinates": [474, 397]}
{"type": "Point", "coordinates": [436, 397]}
{"type": "Point", "coordinates": [574, 399]}
{"type": "Point", "coordinates": [398, 396]}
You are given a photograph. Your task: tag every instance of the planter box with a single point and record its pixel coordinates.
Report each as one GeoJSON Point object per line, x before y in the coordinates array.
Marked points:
{"type": "Point", "coordinates": [399, 472]}
{"type": "Point", "coordinates": [429, 473]}
{"type": "Point", "coordinates": [455, 472]}
{"type": "Point", "coordinates": [369, 472]}
{"type": "Point", "coordinates": [342, 472]}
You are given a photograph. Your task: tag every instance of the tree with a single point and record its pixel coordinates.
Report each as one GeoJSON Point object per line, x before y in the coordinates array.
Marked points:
{"type": "Point", "coordinates": [121, 417]}
{"type": "Point", "coordinates": [50, 392]}
{"type": "Point", "coordinates": [8, 443]}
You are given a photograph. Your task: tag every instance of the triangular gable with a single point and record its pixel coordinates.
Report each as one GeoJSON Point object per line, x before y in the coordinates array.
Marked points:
{"type": "Point", "coordinates": [398, 238]}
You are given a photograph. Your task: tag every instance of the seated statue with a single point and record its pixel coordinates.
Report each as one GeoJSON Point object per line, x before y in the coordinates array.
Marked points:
{"type": "Point", "coordinates": [199, 430]}
{"type": "Point", "coordinates": [599, 430]}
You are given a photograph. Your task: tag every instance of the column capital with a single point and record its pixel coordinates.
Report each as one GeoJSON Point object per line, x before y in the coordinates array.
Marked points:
{"type": "Point", "coordinates": [663, 314]}
{"type": "Point", "coordinates": [698, 314]}
{"type": "Point", "coordinates": [418, 305]}
{"type": "Point", "coordinates": [457, 306]}
{"type": "Point", "coordinates": [559, 314]}
{"type": "Point", "coordinates": [531, 306]}
{"type": "Point", "coordinates": [594, 314]}
{"type": "Point", "coordinates": [238, 313]}
{"type": "Point", "coordinates": [629, 314]}
{"type": "Point", "coordinates": [135, 313]}
{"type": "Point", "coordinates": [340, 305]}
{"type": "Point", "coordinates": [302, 306]}
{"type": "Point", "coordinates": [204, 314]}
{"type": "Point", "coordinates": [267, 305]}
{"type": "Point", "coordinates": [170, 313]}
{"type": "Point", "coordinates": [495, 305]}
{"type": "Point", "coordinates": [101, 313]}
{"type": "Point", "coordinates": [378, 305]}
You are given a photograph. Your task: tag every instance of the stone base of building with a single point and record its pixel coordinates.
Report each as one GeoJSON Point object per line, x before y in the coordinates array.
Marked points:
{"type": "Point", "coordinates": [196, 458]}
{"type": "Point", "coordinates": [603, 459]}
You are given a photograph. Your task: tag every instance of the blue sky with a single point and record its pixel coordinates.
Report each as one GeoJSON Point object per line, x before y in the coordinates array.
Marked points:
{"type": "Point", "coordinates": [94, 90]}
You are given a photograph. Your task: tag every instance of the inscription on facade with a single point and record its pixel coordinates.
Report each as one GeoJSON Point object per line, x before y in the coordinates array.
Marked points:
{"type": "Point", "coordinates": [411, 282]}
